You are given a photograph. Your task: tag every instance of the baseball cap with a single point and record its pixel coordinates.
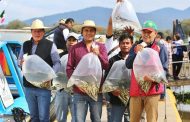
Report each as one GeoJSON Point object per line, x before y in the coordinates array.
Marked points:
{"type": "Point", "coordinates": [150, 25]}
{"type": "Point", "coordinates": [72, 34]}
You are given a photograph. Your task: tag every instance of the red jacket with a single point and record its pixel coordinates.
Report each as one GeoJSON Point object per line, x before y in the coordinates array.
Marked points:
{"type": "Point", "coordinates": [135, 89]}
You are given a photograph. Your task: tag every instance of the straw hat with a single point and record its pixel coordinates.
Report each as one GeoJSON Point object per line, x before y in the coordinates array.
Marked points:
{"type": "Point", "coordinates": [37, 24]}
{"type": "Point", "coordinates": [62, 21]}
{"type": "Point", "coordinates": [89, 23]}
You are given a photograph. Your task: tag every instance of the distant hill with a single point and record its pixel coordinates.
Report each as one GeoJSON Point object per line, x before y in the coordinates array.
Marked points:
{"type": "Point", "coordinates": [163, 17]}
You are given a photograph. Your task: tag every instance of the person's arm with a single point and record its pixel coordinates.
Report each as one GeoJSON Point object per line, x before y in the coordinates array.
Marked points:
{"type": "Point", "coordinates": [164, 57]}
{"type": "Point", "coordinates": [109, 32]}
{"type": "Point", "coordinates": [65, 33]}
{"type": "Point", "coordinates": [107, 70]}
{"type": "Point", "coordinates": [103, 57]}
{"type": "Point", "coordinates": [130, 59]}
{"type": "Point", "coordinates": [55, 58]}
{"type": "Point", "coordinates": [20, 57]}
{"type": "Point", "coordinates": [70, 63]}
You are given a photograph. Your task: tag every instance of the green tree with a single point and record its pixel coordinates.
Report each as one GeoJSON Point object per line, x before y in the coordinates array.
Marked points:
{"type": "Point", "coordinates": [186, 26]}
{"type": "Point", "coordinates": [16, 24]}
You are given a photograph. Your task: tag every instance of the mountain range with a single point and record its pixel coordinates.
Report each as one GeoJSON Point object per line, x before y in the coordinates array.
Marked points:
{"type": "Point", "coordinates": [163, 17]}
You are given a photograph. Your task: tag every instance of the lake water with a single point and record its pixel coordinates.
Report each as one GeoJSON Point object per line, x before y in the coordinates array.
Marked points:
{"type": "Point", "coordinates": [181, 89]}
{"type": "Point", "coordinates": [14, 35]}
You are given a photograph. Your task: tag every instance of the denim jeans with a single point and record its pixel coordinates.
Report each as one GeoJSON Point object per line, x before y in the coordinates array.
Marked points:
{"type": "Point", "coordinates": [39, 104]}
{"type": "Point", "coordinates": [117, 112]}
{"type": "Point", "coordinates": [81, 104]}
{"type": "Point", "coordinates": [63, 102]}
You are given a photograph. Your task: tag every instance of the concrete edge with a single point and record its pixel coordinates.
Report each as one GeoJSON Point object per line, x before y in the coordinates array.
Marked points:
{"type": "Point", "coordinates": [173, 103]}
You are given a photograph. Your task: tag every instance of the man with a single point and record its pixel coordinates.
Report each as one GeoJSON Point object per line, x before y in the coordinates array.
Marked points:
{"type": "Point", "coordinates": [63, 99]}
{"type": "Point", "coordinates": [38, 99]}
{"type": "Point", "coordinates": [61, 33]}
{"type": "Point", "coordinates": [117, 107]}
{"type": "Point", "coordinates": [140, 100]}
{"type": "Point", "coordinates": [81, 99]}
{"type": "Point", "coordinates": [113, 48]}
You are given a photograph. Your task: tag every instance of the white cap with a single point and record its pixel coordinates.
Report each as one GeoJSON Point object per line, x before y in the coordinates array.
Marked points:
{"type": "Point", "coordinates": [76, 36]}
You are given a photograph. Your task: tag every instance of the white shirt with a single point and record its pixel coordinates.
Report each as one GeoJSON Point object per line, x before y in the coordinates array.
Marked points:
{"type": "Point", "coordinates": [110, 44]}
{"type": "Point", "coordinates": [177, 43]}
{"type": "Point", "coordinates": [65, 33]}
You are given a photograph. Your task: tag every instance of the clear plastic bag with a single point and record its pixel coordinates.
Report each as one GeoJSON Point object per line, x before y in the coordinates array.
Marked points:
{"type": "Point", "coordinates": [87, 75]}
{"type": "Point", "coordinates": [64, 60]}
{"type": "Point", "coordinates": [147, 63]}
{"type": "Point", "coordinates": [61, 80]}
{"type": "Point", "coordinates": [124, 15]}
{"type": "Point", "coordinates": [38, 72]}
{"type": "Point", "coordinates": [118, 78]}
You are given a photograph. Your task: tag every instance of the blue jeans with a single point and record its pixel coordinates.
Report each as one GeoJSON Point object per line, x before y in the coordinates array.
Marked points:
{"type": "Point", "coordinates": [81, 104]}
{"type": "Point", "coordinates": [117, 112]}
{"type": "Point", "coordinates": [63, 101]}
{"type": "Point", "coordinates": [39, 104]}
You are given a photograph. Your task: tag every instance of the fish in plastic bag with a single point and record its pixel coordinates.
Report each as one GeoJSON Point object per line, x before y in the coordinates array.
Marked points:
{"type": "Point", "coordinates": [87, 75]}
{"type": "Point", "coordinates": [124, 15]}
{"type": "Point", "coordinates": [37, 71]}
{"type": "Point", "coordinates": [61, 80]}
{"type": "Point", "coordinates": [118, 78]}
{"type": "Point", "coordinates": [147, 63]}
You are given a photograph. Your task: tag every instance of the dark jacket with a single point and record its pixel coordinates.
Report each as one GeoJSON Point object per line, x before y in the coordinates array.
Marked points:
{"type": "Point", "coordinates": [43, 50]}
{"type": "Point", "coordinates": [59, 39]}
{"type": "Point", "coordinates": [114, 99]}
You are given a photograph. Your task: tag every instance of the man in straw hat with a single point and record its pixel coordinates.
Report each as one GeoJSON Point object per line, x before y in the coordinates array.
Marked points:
{"type": "Point", "coordinates": [38, 99]}
{"type": "Point", "coordinates": [61, 33]}
{"type": "Point", "coordinates": [140, 100]}
{"type": "Point", "coordinates": [81, 99]}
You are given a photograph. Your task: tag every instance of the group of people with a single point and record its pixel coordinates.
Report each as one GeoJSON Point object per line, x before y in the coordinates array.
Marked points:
{"type": "Point", "coordinates": [66, 42]}
{"type": "Point", "coordinates": [176, 49]}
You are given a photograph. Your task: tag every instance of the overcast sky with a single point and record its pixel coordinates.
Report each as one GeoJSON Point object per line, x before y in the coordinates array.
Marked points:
{"type": "Point", "coordinates": [25, 9]}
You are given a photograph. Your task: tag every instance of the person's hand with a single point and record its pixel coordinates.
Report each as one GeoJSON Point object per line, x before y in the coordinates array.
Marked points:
{"type": "Point", "coordinates": [119, 1]}
{"type": "Point", "coordinates": [20, 62]}
{"type": "Point", "coordinates": [95, 50]}
{"type": "Point", "coordinates": [129, 30]}
{"type": "Point", "coordinates": [46, 84]}
{"type": "Point", "coordinates": [116, 92]}
{"type": "Point", "coordinates": [138, 48]}
{"type": "Point", "coordinates": [148, 79]}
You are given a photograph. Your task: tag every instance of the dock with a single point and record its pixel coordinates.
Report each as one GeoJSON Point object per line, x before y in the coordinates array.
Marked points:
{"type": "Point", "coordinates": [172, 114]}
{"type": "Point", "coordinates": [181, 82]}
